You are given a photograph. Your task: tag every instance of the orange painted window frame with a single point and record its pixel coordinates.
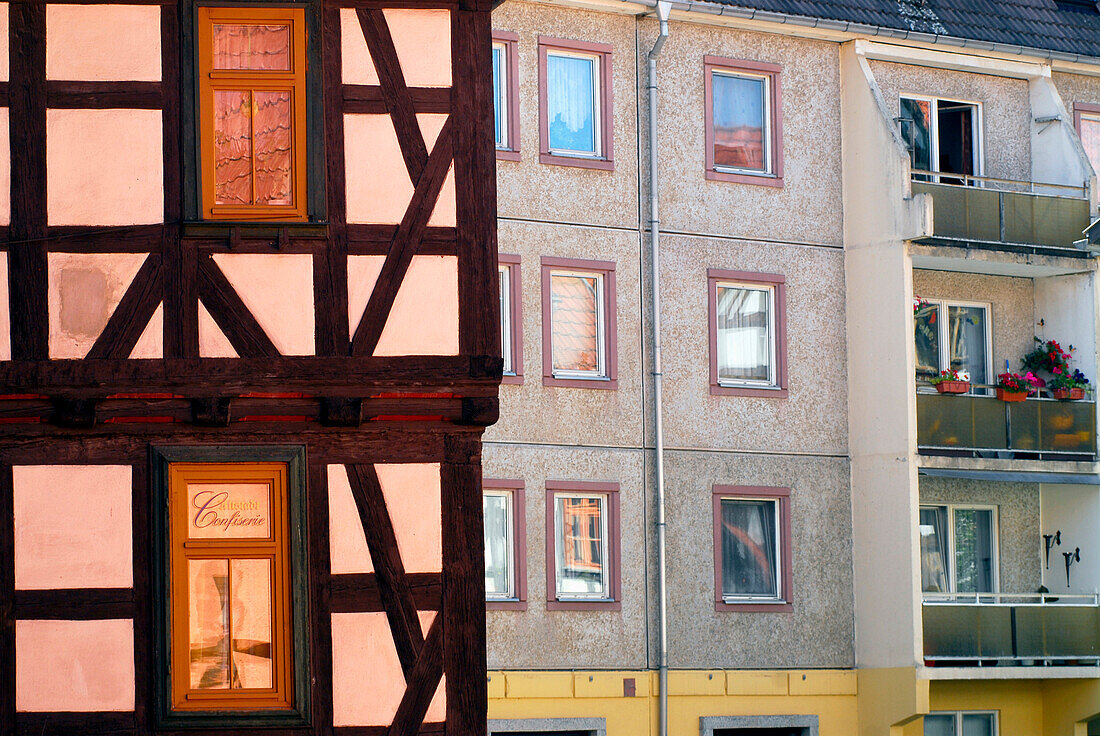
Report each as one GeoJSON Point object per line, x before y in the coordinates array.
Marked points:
{"type": "Point", "coordinates": [276, 547]}
{"type": "Point", "coordinates": [211, 80]}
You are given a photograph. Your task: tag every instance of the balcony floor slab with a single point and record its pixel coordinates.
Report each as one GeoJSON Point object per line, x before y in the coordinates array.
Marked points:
{"type": "Point", "coordinates": [1020, 672]}
{"type": "Point", "coordinates": [1044, 471]}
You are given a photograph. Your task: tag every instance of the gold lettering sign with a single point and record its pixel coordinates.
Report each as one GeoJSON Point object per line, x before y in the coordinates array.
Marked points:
{"type": "Point", "coordinates": [229, 511]}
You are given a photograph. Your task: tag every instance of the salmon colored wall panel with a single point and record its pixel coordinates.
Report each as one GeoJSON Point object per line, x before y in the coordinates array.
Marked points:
{"type": "Point", "coordinates": [5, 147]}
{"type": "Point", "coordinates": [73, 526]}
{"type": "Point", "coordinates": [5, 320]}
{"type": "Point", "coordinates": [74, 665]}
{"type": "Point", "coordinates": [378, 185]}
{"type": "Point", "coordinates": [84, 289]}
{"type": "Point", "coordinates": [347, 543]}
{"type": "Point", "coordinates": [362, 274]}
{"type": "Point", "coordinates": [278, 290]}
{"type": "Point", "coordinates": [151, 342]}
{"type": "Point", "coordinates": [4, 44]}
{"type": "Point", "coordinates": [412, 499]}
{"type": "Point", "coordinates": [212, 341]}
{"type": "Point", "coordinates": [105, 167]}
{"type": "Point", "coordinates": [358, 68]}
{"type": "Point", "coordinates": [367, 682]}
{"type": "Point", "coordinates": [443, 214]}
{"type": "Point", "coordinates": [423, 42]}
{"type": "Point", "coordinates": [103, 42]}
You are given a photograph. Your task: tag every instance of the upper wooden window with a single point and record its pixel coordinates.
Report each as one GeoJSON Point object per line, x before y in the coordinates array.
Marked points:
{"type": "Point", "coordinates": [744, 122]}
{"type": "Point", "coordinates": [252, 112]}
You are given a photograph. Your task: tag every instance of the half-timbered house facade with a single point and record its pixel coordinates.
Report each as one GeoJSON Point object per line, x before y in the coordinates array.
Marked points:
{"type": "Point", "coordinates": [248, 346]}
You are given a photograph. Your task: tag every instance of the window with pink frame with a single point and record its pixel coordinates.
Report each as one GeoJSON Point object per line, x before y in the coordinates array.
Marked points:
{"type": "Point", "coordinates": [744, 122]}
{"type": "Point", "coordinates": [752, 548]}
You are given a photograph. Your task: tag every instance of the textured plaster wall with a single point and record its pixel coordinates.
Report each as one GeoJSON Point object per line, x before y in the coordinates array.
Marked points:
{"type": "Point", "coordinates": [1076, 88]}
{"type": "Point", "coordinates": [813, 418]}
{"type": "Point", "coordinates": [535, 413]}
{"type": "Point", "coordinates": [807, 208]}
{"type": "Point", "coordinates": [1013, 300]}
{"type": "Point", "coordinates": [819, 632]}
{"type": "Point", "coordinates": [1017, 505]}
{"type": "Point", "coordinates": [537, 638]}
{"type": "Point", "coordinates": [1006, 109]}
{"type": "Point", "coordinates": [560, 193]}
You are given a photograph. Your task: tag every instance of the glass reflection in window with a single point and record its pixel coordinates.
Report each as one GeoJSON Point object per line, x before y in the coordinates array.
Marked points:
{"type": "Point", "coordinates": [741, 121]}
{"type": "Point", "coordinates": [580, 532]}
{"type": "Point", "coordinates": [577, 324]}
{"type": "Point", "coordinates": [746, 336]}
{"type": "Point", "coordinates": [750, 549]}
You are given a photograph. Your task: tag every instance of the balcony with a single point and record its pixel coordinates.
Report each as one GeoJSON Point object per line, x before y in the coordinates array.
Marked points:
{"type": "Point", "coordinates": [979, 211]}
{"type": "Point", "coordinates": [973, 425]}
{"type": "Point", "coordinates": [993, 629]}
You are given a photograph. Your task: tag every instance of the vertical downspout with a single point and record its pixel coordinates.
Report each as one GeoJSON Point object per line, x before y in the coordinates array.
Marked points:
{"type": "Point", "coordinates": [663, 9]}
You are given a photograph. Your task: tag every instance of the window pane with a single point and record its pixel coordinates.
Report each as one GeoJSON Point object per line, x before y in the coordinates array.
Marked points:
{"type": "Point", "coordinates": [249, 46]}
{"type": "Point", "coordinates": [749, 548]}
{"type": "Point", "coordinates": [915, 117]}
{"type": "Point", "coordinates": [1090, 137]}
{"type": "Point", "coordinates": [966, 333]}
{"type": "Point", "coordinates": [498, 554]}
{"type": "Point", "coordinates": [229, 511]}
{"type": "Point", "coordinates": [940, 725]}
{"type": "Point", "coordinates": [933, 550]}
{"type": "Point", "coordinates": [977, 724]}
{"type": "Point", "coordinates": [744, 334]}
{"type": "Point", "coordinates": [927, 335]}
{"type": "Point", "coordinates": [208, 599]}
{"type": "Point", "coordinates": [273, 147]}
{"type": "Point", "coordinates": [974, 550]}
{"type": "Point", "coordinates": [232, 147]}
{"type": "Point", "coordinates": [498, 96]}
{"type": "Point", "coordinates": [580, 545]}
{"type": "Point", "coordinates": [250, 609]}
{"type": "Point", "coordinates": [571, 102]}
{"type": "Point", "coordinates": [574, 309]}
{"type": "Point", "coordinates": [504, 287]}
{"type": "Point", "coordinates": [739, 121]}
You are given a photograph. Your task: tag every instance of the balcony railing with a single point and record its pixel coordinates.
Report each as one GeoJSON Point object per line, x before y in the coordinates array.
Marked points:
{"type": "Point", "coordinates": [1007, 629]}
{"type": "Point", "coordinates": [982, 209]}
{"type": "Point", "coordinates": [982, 425]}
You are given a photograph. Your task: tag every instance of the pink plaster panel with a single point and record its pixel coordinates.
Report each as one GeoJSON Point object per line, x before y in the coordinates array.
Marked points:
{"type": "Point", "coordinates": [103, 42]}
{"type": "Point", "coordinates": [74, 665]}
{"type": "Point", "coordinates": [367, 681]}
{"type": "Point", "coordinates": [444, 213]}
{"type": "Point", "coordinates": [212, 341]}
{"type": "Point", "coordinates": [151, 342]}
{"type": "Point", "coordinates": [362, 274]}
{"type": "Point", "coordinates": [83, 291]}
{"type": "Point", "coordinates": [424, 320]}
{"type": "Point", "coordinates": [4, 44]}
{"type": "Point", "coordinates": [5, 147]}
{"type": "Point", "coordinates": [278, 290]}
{"type": "Point", "coordinates": [5, 321]}
{"type": "Point", "coordinates": [412, 494]}
{"type": "Point", "coordinates": [347, 544]}
{"type": "Point", "coordinates": [358, 68]}
{"type": "Point", "coordinates": [73, 526]}
{"type": "Point", "coordinates": [378, 185]}
{"type": "Point", "coordinates": [106, 167]}
{"type": "Point", "coordinates": [423, 42]}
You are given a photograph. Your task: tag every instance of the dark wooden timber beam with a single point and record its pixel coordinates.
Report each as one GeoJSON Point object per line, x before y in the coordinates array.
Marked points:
{"type": "Point", "coordinates": [371, 99]}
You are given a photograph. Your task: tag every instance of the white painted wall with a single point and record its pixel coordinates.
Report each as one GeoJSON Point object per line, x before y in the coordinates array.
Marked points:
{"type": "Point", "coordinates": [1075, 510]}
{"type": "Point", "coordinates": [1057, 156]}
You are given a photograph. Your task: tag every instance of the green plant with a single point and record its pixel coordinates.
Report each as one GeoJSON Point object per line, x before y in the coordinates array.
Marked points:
{"type": "Point", "coordinates": [1017, 384]}
{"type": "Point", "coordinates": [950, 375]}
{"type": "Point", "coordinates": [1047, 356]}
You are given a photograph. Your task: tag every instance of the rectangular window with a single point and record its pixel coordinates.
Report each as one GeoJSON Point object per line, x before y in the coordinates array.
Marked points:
{"type": "Point", "coordinates": [252, 112]}
{"type": "Point", "coordinates": [511, 317]}
{"type": "Point", "coordinates": [962, 341]}
{"type": "Point", "coordinates": [506, 94]}
{"type": "Point", "coordinates": [747, 333]}
{"type": "Point", "coordinates": [579, 334]}
{"type": "Point", "coordinates": [958, 548]}
{"type": "Point", "coordinates": [575, 126]}
{"type": "Point", "coordinates": [582, 543]}
{"type": "Point", "coordinates": [752, 546]}
{"type": "Point", "coordinates": [743, 122]}
{"type": "Point", "coordinates": [499, 545]}
{"type": "Point", "coordinates": [961, 724]}
{"type": "Point", "coordinates": [942, 136]}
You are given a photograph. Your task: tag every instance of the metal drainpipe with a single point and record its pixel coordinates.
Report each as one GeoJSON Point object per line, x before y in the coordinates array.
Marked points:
{"type": "Point", "coordinates": [663, 8]}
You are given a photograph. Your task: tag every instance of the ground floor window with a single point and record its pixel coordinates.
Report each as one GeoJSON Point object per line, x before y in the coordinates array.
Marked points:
{"type": "Point", "coordinates": [961, 724]}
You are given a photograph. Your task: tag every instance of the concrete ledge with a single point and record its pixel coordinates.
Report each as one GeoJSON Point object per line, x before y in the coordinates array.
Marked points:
{"type": "Point", "coordinates": [495, 682]}
{"type": "Point", "coordinates": [712, 682]}
{"type": "Point", "coordinates": [822, 682]}
{"type": "Point", "coordinates": [595, 726]}
{"type": "Point", "coordinates": [1008, 673]}
{"type": "Point", "coordinates": [756, 683]}
{"type": "Point", "coordinates": [539, 684]}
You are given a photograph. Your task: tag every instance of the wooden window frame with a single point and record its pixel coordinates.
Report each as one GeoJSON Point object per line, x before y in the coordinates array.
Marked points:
{"type": "Point", "coordinates": [778, 283]}
{"type": "Point", "coordinates": [510, 41]}
{"type": "Point", "coordinates": [208, 80]}
{"type": "Point", "coordinates": [610, 342]}
{"type": "Point", "coordinates": [604, 159]}
{"type": "Point", "coordinates": [772, 176]}
{"type": "Point", "coordinates": [288, 703]}
{"type": "Point", "coordinates": [784, 576]}
{"type": "Point", "coordinates": [518, 601]}
{"type": "Point", "coordinates": [610, 491]}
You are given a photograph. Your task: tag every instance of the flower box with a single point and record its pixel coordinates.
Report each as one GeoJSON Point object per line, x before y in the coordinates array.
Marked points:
{"type": "Point", "coordinates": [1072, 394]}
{"type": "Point", "coordinates": [953, 387]}
{"type": "Point", "coordinates": [1004, 395]}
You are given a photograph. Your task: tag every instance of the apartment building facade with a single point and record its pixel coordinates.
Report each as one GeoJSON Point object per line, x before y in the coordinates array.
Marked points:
{"type": "Point", "coordinates": [849, 203]}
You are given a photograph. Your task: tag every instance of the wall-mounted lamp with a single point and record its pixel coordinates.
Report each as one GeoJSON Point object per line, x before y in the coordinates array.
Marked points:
{"type": "Point", "coordinates": [1071, 557]}
{"type": "Point", "coordinates": [1051, 540]}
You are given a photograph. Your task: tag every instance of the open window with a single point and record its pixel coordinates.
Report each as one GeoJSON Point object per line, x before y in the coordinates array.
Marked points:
{"type": "Point", "coordinates": [943, 136]}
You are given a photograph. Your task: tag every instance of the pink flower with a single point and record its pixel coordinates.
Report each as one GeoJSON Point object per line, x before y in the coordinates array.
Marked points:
{"type": "Point", "coordinates": [1056, 370]}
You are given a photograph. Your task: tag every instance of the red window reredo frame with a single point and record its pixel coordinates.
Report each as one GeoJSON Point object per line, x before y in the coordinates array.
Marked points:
{"type": "Point", "coordinates": [614, 565]}
{"type": "Point", "coordinates": [510, 41]}
{"type": "Point", "coordinates": [606, 162]}
{"type": "Point", "coordinates": [515, 304]}
{"type": "Point", "coordinates": [779, 283]}
{"type": "Point", "coordinates": [759, 68]}
{"type": "Point", "coordinates": [611, 339]}
{"type": "Point", "coordinates": [783, 524]}
{"type": "Point", "coordinates": [519, 539]}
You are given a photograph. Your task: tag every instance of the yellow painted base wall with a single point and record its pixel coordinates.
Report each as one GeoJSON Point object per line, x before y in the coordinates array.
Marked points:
{"type": "Point", "coordinates": [1025, 707]}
